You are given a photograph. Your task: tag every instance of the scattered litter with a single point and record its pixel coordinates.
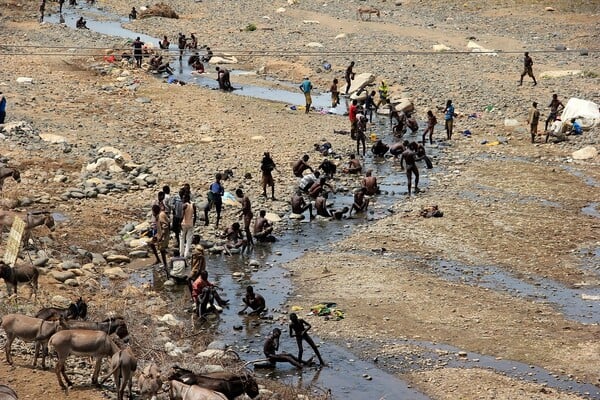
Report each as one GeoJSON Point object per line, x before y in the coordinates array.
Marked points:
{"type": "Point", "coordinates": [431, 211]}
{"type": "Point", "coordinates": [327, 310]}
{"type": "Point", "coordinates": [466, 132]}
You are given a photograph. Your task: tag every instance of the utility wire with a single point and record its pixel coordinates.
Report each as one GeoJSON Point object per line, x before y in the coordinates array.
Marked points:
{"type": "Point", "coordinates": [283, 53]}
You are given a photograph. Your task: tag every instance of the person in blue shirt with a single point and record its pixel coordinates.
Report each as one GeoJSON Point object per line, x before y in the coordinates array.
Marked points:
{"type": "Point", "coordinates": [576, 128]}
{"type": "Point", "coordinates": [306, 87]}
{"type": "Point", "coordinates": [449, 117]}
{"type": "Point", "coordinates": [215, 197]}
{"type": "Point", "coordinates": [2, 108]}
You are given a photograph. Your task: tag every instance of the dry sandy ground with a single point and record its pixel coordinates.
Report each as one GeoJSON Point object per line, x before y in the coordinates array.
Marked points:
{"type": "Point", "coordinates": [491, 196]}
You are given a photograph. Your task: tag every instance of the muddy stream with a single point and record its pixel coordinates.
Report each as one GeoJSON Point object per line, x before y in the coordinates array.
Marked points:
{"type": "Point", "coordinates": [347, 376]}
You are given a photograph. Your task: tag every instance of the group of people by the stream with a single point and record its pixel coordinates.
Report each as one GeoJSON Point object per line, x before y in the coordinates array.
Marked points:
{"type": "Point", "coordinates": [174, 217]}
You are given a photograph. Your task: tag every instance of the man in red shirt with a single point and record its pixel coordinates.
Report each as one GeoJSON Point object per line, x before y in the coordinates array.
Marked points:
{"type": "Point", "coordinates": [204, 293]}
{"type": "Point", "coordinates": [352, 111]}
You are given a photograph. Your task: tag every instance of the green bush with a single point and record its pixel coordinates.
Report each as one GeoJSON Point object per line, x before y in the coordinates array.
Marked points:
{"type": "Point", "coordinates": [250, 27]}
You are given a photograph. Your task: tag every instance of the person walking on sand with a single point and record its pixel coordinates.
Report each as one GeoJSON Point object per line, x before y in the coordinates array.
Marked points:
{"type": "Point", "coordinates": [137, 51]}
{"type": "Point", "coordinates": [42, 10]}
{"type": "Point", "coordinates": [2, 108]}
{"type": "Point", "coordinates": [246, 213]}
{"type": "Point", "coordinates": [555, 107]}
{"type": "Point", "coordinates": [410, 157]}
{"type": "Point", "coordinates": [349, 76]}
{"type": "Point", "coordinates": [299, 329]}
{"type": "Point", "coordinates": [527, 69]}
{"type": "Point", "coordinates": [187, 225]}
{"type": "Point", "coordinates": [267, 165]}
{"type": "Point", "coordinates": [431, 122]}
{"type": "Point", "coordinates": [215, 197]}
{"type": "Point", "coordinates": [532, 120]}
{"type": "Point", "coordinates": [160, 242]}
{"type": "Point", "coordinates": [335, 93]}
{"type": "Point", "coordinates": [306, 87]}
{"type": "Point", "coordinates": [449, 115]}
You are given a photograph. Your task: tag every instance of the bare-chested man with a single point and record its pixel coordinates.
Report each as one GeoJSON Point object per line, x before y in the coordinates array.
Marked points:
{"type": "Point", "coordinates": [354, 166]}
{"type": "Point", "coordinates": [262, 227]}
{"type": "Point", "coordinates": [369, 182]}
{"type": "Point", "coordinates": [317, 188]}
{"type": "Point", "coordinates": [253, 300]}
{"type": "Point", "coordinates": [246, 213]}
{"type": "Point", "coordinates": [361, 203]}
{"type": "Point", "coordinates": [321, 206]}
{"type": "Point", "coordinates": [299, 204]}
{"type": "Point", "coordinates": [270, 349]}
{"type": "Point", "coordinates": [396, 149]}
{"type": "Point", "coordinates": [301, 165]}
{"type": "Point", "coordinates": [410, 156]}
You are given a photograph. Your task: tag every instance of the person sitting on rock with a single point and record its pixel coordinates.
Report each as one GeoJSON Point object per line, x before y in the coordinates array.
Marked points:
{"type": "Point", "coordinates": [81, 24]}
{"type": "Point", "coordinates": [204, 293]}
{"type": "Point", "coordinates": [263, 228]}
{"type": "Point", "coordinates": [235, 238]}
{"type": "Point", "coordinates": [299, 205]}
{"type": "Point", "coordinates": [133, 14]}
{"type": "Point", "coordinates": [361, 203]}
{"type": "Point", "coordinates": [369, 182]}
{"type": "Point", "coordinates": [354, 166]}
{"type": "Point", "coordinates": [301, 165]}
{"type": "Point", "coordinates": [178, 268]}
{"type": "Point", "coordinates": [209, 54]}
{"type": "Point", "coordinates": [255, 301]}
{"type": "Point", "coordinates": [271, 347]}
{"type": "Point", "coordinates": [328, 168]}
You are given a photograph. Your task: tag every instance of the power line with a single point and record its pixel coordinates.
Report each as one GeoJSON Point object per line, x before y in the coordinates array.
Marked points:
{"type": "Point", "coordinates": [285, 53]}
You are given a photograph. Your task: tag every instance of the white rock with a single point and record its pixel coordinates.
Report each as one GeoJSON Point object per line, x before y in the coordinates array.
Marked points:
{"type": "Point", "coordinates": [313, 44]}
{"type": "Point", "coordinates": [23, 79]}
{"type": "Point", "coordinates": [441, 47]}
{"type": "Point", "coordinates": [224, 59]}
{"type": "Point", "coordinates": [272, 217]}
{"type": "Point", "coordinates": [170, 320]}
{"type": "Point", "coordinates": [310, 21]}
{"type": "Point", "coordinates": [549, 9]}
{"type": "Point", "coordinates": [585, 153]}
{"type": "Point", "coordinates": [115, 151]}
{"type": "Point", "coordinates": [115, 273]}
{"type": "Point", "coordinates": [52, 138]}
{"type": "Point", "coordinates": [341, 36]}
{"type": "Point", "coordinates": [211, 353]}
{"type": "Point", "coordinates": [560, 74]}
{"type": "Point", "coordinates": [104, 164]}
{"type": "Point", "coordinates": [280, 10]}
{"type": "Point", "coordinates": [257, 137]}
{"type": "Point", "coordinates": [511, 122]}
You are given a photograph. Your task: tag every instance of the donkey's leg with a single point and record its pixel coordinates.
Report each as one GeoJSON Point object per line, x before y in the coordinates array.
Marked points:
{"type": "Point", "coordinates": [97, 370]}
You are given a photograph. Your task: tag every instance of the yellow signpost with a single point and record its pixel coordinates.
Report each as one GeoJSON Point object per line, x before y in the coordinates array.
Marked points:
{"type": "Point", "coordinates": [14, 241]}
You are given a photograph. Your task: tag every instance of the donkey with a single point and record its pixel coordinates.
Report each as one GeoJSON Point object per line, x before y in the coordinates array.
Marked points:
{"type": "Point", "coordinates": [81, 343]}
{"type": "Point", "coordinates": [29, 329]}
{"type": "Point", "coordinates": [32, 219]}
{"type": "Point", "coordinates": [123, 364]}
{"type": "Point", "coordinates": [77, 310]}
{"type": "Point", "coordinates": [6, 172]}
{"type": "Point", "coordinates": [7, 393]}
{"type": "Point", "coordinates": [149, 382]}
{"type": "Point", "coordinates": [110, 325]}
{"type": "Point", "coordinates": [230, 384]}
{"type": "Point", "coordinates": [23, 273]}
{"type": "Point", "coordinates": [367, 10]}
{"type": "Point", "coordinates": [181, 391]}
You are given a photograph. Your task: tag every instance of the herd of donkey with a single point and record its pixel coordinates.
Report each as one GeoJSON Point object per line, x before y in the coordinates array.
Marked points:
{"type": "Point", "coordinates": [65, 332]}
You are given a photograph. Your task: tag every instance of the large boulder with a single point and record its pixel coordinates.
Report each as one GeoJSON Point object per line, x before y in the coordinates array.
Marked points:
{"type": "Point", "coordinates": [104, 164]}
{"type": "Point", "coordinates": [360, 81]}
{"type": "Point", "coordinates": [585, 153]}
